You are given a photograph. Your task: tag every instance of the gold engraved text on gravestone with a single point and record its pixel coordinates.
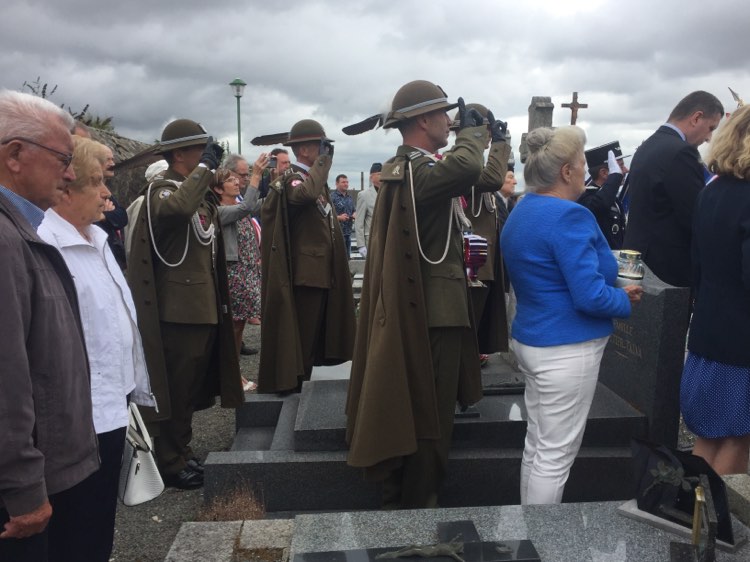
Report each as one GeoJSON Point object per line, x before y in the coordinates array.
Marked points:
{"type": "Point", "coordinates": [621, 340]}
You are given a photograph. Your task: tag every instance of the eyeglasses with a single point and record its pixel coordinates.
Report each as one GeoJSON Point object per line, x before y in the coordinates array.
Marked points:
{"type": "Point", "coordinates": [65, 159]}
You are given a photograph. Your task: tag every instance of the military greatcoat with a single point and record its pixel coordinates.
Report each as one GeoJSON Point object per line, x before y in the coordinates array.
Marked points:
{"type": "Point", "coordinates": [392, 396]}
{"type": "Point", "coordinates": [302, 245]}
{"type": "Point", "coordinates": [491, 316]}
{"type": "Point", "coordinates": [195, 292]}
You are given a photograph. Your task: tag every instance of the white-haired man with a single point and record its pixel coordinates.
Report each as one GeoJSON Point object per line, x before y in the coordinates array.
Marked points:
{"type": "Point", "coordinates": [48, 443]}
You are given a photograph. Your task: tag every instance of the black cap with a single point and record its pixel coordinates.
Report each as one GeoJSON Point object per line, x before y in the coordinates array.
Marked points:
{"type": "Point", "coordinates": [376, 167]}
{"type": "Point", "coordinates": [598, 156]}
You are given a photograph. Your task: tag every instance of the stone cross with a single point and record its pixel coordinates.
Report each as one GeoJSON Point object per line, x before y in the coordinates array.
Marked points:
{"type": "Point", "coordinates": [574, 107]}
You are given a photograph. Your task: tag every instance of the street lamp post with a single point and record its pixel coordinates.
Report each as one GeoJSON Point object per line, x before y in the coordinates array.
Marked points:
{"type": "Point", "coordinates": [238, 88]}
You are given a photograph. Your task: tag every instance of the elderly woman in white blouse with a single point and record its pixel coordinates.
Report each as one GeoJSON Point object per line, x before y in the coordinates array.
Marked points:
{"type": "Point", "coordinates": [116, 361]}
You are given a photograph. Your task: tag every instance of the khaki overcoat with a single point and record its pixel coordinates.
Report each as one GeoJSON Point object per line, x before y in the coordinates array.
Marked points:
{"type": "Point", "coordinates": [301, 245]}
{"type": "Point", "coordinates": [492, 328]}
{"type": "Point", "coordinates": [391, 401]}
{"type": "Point", "coordinates": [195, 292]}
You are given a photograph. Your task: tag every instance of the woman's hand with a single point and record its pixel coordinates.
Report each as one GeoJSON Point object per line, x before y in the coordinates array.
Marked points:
{"type": "Point", "coordinates": [260, 164]}
{"type": "Point", "coordinates": [634, 293]}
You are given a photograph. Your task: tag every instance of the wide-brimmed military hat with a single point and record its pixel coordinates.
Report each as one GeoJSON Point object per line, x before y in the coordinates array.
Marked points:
{"type": "Point", "coordinates": [307, 130]}
{"type": "Point", "coordinates": [598, 156]}
{"type": "Point", "coordinates": [416, 98]}
{"type": "Point", "coordinates": [479, 107]}
{"type": "Point", "coordinates": [181, 133]}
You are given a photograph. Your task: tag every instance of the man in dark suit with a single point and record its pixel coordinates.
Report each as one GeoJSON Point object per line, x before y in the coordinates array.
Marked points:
{"type": "Point", "coordinates": [665, 178]}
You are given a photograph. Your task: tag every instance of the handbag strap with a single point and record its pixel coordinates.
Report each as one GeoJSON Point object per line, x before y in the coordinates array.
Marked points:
{"type": "Point", "coordinates": [137, 434]}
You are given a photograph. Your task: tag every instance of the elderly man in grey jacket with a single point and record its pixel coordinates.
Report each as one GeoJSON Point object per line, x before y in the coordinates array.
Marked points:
{"type": "Point", "coordinates": [365, 209]}
{"type": "Point", "coordinates": [47, 440]}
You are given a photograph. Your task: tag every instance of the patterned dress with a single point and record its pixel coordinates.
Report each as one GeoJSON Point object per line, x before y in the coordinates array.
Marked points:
{"type": "Point", "coordinates": [244, 274]}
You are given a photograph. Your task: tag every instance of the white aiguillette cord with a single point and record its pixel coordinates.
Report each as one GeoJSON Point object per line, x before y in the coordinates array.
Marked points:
{"type": "Point", "coordinates": [200, 233]}
{"type": "Point", "coordinates": [419, 243]}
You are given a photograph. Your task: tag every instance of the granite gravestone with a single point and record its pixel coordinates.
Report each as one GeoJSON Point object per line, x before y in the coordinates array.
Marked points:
{"type": "Point", "coordinates": [644, 357]}
{"type": "Point", "coordinates": [540, 115]}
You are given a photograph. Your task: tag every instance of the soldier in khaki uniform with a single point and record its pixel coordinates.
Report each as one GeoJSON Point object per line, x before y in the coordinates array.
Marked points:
{"type": "Point", "coordinates": [307, 315]}
{"type": "Point", "coordinates": [178, 277]}
{"type": "Point", "coordinates": [488, 297]}
{"type": "Point", "coordinates": [416, 352]}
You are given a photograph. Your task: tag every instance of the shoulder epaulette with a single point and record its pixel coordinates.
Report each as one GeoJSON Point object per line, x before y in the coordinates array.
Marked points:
{"type": "Point", "coordinates": [393, 171]}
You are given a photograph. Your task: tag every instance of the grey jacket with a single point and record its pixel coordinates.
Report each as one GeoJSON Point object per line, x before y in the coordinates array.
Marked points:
{"type": "Point", "coordinates": [365, 208]}
{"type": "Point", "coordinates": [228, 217]}
{"type": "Point", "coordinates": [47, 440]}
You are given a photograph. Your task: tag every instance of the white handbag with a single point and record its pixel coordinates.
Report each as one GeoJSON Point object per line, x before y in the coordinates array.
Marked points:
{"type": "Point", "coordinates": [140, 480]}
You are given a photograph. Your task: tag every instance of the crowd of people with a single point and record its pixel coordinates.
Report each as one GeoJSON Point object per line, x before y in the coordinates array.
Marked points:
{"type": "Point", "coordinates": [98, 318]}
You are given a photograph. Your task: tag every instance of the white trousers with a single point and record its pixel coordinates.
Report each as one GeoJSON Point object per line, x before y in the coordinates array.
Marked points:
{"type": "Point", "coordinates": [560, 385]}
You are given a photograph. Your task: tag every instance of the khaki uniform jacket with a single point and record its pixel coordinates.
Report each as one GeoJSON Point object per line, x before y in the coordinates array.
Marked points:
{"type": "Point", "coordinates": [492, 329]}
{"type": "Point", "coordinates": [47, 440]}
{"type": "Point", "coordinates": [302, 245]}
{"type": "Point", "coordinates": [195, 292]}
{"type": "Point", "coordinates": [391, 401]}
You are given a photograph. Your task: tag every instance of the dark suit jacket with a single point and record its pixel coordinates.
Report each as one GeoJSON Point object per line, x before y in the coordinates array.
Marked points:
{"type": "Point", "coordinates": [665, 178]}
{"type": "Point", "coordinates": [720, 329]}
{"type": "Point", "coordinates": [502, 215]}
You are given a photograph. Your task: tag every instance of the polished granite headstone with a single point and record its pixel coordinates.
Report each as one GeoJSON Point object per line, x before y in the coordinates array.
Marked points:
{"type": "Point", "coordinates": [579, 532]}
{"type": "Point", "coordinates": [458, 540]}
{"type": "Point", "coordinates": [644, 357]}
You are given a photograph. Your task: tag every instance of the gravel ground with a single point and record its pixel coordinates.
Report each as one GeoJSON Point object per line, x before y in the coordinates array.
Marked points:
{"type": "Point", "coordinates": [145, 532]}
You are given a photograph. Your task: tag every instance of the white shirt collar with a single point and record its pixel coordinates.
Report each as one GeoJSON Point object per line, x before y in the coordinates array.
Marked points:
{"type": "Point", "coordinates": [676, 130]}
{"type": "Point", "coordinates": [67, 235]}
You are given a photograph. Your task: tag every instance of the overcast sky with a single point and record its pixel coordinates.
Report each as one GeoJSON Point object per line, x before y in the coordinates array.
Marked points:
{"type": "Point", "coordinates": [146, 63]}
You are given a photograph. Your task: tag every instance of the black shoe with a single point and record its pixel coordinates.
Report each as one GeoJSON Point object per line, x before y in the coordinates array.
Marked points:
{"type": "Point", "coordinates": [248, 350]}
{"type": "Point", "coordinates": [195, 465]}
{"type": "Point", "coordinates": [186, 479]}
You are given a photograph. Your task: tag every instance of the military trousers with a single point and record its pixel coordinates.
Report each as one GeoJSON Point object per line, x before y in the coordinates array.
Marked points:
{"type": "Point", "coordinates": [479, 303]}
{"type": "Point", "coordinates": [188, 349]}
{"type": "Point", "coordinates": [415, 484]}
{"type": "Point", "coordinates": [310, 303]}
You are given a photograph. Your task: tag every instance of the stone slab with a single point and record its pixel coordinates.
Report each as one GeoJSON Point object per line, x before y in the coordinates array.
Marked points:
{"type": "Point", "coordinates": [738, 493]}
{"type": "Point", "coordinates": [289, 481]}
{"type": "Point", "coordinates": [258, 410]}
{"type": "Point", "coordinates": [331, 372]}
{"type": "Point", "coordinates": [253, 439]}
{"type": "Point", "coordinates": [644, 357]}
{"type": "Point", "coordinates": [321, 423]}
{"type": "Point", "coordinates": [283, 438]}
{"type": "Point", "coordinates": [513, 551]}
{"type": "Point", "coordinates": [197, 542]}
{"type": "Point", "coordinates": [581, 532]}
{"type": "Point", "coordinates": [266, 533]}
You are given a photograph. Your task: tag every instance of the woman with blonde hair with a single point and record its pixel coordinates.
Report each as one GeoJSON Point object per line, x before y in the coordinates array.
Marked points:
{"type": "Point", "coordinates": [563, 274]}
{"type": "Point", "coordinates": [113, 345]}
{"type": "Point", "coordinates": [715, 386]}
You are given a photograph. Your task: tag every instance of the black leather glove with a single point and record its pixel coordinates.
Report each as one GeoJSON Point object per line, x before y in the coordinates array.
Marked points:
{"type": "Point", "coordinates": [498, 129]}
{"type": "Point", "coordinates": [212, 154]}
{"type": "Point", "coordinates": [468, 117]}
{"type": "Point", "coordinates": [326, 147]}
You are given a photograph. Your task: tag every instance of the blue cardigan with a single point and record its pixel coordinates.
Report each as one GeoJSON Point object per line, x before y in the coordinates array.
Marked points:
{"type": "Point", "coordinates": [562, 271]}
